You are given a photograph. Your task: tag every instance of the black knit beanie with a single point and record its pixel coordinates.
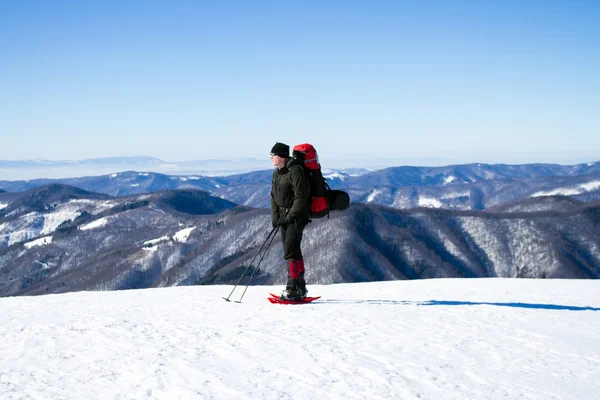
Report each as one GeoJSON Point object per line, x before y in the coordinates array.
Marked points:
{"type": "Point", "coordinates": [281, 150]}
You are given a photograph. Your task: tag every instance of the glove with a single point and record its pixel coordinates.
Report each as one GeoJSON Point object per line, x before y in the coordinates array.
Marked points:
{"type": "Point", "coordinates": [283, 221]}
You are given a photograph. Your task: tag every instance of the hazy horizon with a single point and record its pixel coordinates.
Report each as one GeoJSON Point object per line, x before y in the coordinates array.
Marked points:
{"type": "Point", "coordinates": [60, 169]}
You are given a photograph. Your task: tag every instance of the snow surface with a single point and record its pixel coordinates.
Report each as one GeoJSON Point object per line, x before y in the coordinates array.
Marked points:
{"type": "Point", "coordinates": [34, 224]}
{"type": "Point", "coordinates": [572, 191]}
{"type": "Point", "coordinates": [373, 194]}
{"type": "Point", "coordinates": [70, 211]}
{"type": "Point", "coordinates": [183, 235]}
{"type": "Point", "coordinates": [53, 220]}
{"type": "Point", "coordinates": [100, 222]}
{"type": "Point", "coordinates": [335, 175]}
{"type": "Point", "coordinates": [449, 180]}
{"type": "Point", "coordinates": [39, 242]}
{"type": "Point", "coordinates": [3, 206]}
{"type": "Point", "coordinates": [430, 339]}
{"type": "Point", "coordinates": [429, 202]}
{"type": "Point", "coordinates": [455, 195]}
{"type": "Point", "coordinates": [152, 242]}
{"type": "Point", "coordinates": [93, 206]}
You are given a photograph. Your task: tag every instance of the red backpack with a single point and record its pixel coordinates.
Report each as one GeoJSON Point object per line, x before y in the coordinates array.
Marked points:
{"type": "Point", "coordinates": [321, 198]}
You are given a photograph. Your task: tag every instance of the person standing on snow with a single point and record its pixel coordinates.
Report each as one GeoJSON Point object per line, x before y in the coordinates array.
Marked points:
{"type": "Point", "coordinates": [290, 211]}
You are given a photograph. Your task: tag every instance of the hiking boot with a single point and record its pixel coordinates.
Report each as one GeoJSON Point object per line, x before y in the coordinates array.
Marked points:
{"type": "Point", "coordinates": [302, 287]}
{"type": "Point", "coordinates": [291, 290]}
{"type": "Point", "coordinates": [295, 289]}
{"type": "Point", "coordinates": [291, 294]}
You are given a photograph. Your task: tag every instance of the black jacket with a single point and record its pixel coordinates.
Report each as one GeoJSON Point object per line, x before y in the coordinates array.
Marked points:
{"type": "Point", "coordinates": [289, 194]}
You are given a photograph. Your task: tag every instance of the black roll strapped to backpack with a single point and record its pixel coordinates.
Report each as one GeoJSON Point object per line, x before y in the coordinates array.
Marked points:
{"type": "Point", "coordinates": [338, 200]}
{"type": "Point", "coordinates": [322, 198]}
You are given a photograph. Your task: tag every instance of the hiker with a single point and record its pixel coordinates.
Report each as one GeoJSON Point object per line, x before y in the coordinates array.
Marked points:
{"type": "Point", "coordinates": [290, 212]}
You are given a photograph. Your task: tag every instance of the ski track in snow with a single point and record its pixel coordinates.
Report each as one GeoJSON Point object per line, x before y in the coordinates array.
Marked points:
{"type": "Point", "coordinates": [435, 339]}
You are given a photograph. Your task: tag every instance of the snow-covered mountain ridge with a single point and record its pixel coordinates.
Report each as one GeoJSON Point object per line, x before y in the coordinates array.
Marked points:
{"type": "Point", "coordinates": [430, 339]}
{"type": "Point", "coordinates": [58, 239]}
{"type": "Point", "coordinates": [461, 187]}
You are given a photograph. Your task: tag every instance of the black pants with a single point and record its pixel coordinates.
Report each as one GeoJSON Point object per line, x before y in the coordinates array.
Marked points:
{"type": "Point", "coordinates": [291, 237]}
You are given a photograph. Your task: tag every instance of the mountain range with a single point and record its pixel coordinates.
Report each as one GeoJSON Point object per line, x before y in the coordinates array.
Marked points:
{"type": "Point", "coordinates": [459, 187]}
{"type": "Point", "coordinates": [58, 238]}
{"type": "Point", "coordinates": [144, 229]}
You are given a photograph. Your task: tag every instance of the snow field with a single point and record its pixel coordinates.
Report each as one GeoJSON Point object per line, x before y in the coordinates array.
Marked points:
{"type": "Point", "coordinates": [39, 242]}
{"type": "Point", "coordinates": [434, 339]}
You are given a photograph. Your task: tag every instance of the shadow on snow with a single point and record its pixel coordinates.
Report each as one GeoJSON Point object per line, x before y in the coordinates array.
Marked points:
{"type": "Point", "coordinates": [463, 303]}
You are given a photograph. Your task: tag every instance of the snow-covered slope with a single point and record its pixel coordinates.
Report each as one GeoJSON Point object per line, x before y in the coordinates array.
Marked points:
{"type": "Point", "coordinates": [428, 339]}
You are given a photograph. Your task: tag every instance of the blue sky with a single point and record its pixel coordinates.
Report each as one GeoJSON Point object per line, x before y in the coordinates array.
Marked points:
{"type": "Point", "coordinates": [420, 82]}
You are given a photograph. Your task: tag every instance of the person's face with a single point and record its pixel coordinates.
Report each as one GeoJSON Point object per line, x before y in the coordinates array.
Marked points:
{"type": "Point", "coordinates": [277, 161]}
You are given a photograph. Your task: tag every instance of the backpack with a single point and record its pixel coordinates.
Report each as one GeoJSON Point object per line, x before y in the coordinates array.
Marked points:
{"type": "Point", "coordinates": [321, 198]}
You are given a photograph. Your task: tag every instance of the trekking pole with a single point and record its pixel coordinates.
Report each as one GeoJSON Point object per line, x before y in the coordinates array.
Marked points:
{"type": "Point", "coordinates": [259, 250]}
{"type": "Point", "coordinates": [257, 265]}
